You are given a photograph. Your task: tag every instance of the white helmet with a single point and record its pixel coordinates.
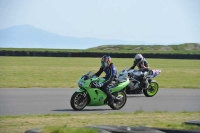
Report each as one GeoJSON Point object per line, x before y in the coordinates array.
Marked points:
{"type": "Point", "coordinates": [139, 58]}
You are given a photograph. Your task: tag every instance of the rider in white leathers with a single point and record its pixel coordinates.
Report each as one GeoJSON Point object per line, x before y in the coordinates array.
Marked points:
{"type": "Point", "coordinates": [142, 65]}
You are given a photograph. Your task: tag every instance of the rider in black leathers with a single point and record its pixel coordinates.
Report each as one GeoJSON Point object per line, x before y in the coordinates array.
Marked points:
{"type": "Point", "coordinates": [108, 67]}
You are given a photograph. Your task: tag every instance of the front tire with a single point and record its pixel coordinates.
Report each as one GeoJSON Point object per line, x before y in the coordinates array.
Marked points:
{"type": "Point", "coordinates": [151, 90]}
{"type": "Point", "coordinates": [118, 104]}
{"type": "Point", "coordinates": [78, 101]}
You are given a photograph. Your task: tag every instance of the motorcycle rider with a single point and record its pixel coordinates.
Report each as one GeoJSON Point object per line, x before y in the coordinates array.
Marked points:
{"type": "Point", "coordinates": [143, 66]}
{"type": "Point", "coordinates": [108, 67]}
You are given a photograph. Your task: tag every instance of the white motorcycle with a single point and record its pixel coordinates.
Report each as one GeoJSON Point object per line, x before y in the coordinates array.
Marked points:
{"type": "Point", "coordinates": [137, 82]}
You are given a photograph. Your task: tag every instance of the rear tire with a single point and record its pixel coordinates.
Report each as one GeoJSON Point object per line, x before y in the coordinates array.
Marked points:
{"type": "Point", "coordinates": [78, 101]}
{"type": "Point", "coordinates": [151, 90]}
{"type": "Point", "coordinates": [118, 104]}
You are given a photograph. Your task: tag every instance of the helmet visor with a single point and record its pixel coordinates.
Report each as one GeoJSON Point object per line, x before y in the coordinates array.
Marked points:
{"type": "Point", "coordinates": [104, 64]}
{"type": "Point", "coordinates": [138, 60]}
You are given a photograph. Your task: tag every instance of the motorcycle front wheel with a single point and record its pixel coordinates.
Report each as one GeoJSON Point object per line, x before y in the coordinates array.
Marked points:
{"type": "Point", "coordinates": [120, 100]}
{"type": "Point", "coordinates": [78, 101]}
{"type": "Point", "coordinates": [151, 90]}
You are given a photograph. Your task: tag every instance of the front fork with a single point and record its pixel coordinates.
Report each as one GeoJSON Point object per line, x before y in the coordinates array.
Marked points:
{"type": "Point", "coordinates": [84, 97]}
{"type": "Point", "coordinates": [85, 94]}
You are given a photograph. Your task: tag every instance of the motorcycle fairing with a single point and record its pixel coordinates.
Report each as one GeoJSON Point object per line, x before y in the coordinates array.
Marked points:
{"type": "Point", "coordinates": [97, 96]}
{"type": "Point", "coordinates": [156, 72]}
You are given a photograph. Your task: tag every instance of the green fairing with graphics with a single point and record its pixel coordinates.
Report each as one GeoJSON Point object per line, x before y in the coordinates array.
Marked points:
{"type": "Point", "coordinates": [89, 95]}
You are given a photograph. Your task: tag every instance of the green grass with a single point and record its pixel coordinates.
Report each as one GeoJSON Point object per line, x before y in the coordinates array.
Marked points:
{"type": "Point", "coordinates": [54, 72]}
{"type": "Point", "coordinates": [75, 122]}
{"type": "Point", "coordinates": [65, 129]}
{"type": "Point", "coordinates": [63, 72]}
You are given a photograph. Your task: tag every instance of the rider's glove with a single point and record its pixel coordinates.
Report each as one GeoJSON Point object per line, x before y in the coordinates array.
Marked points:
{"type": "Point", "coordinates": [146, 69]}
{"type": "Point", "coordinates": [150, 72]}
{"type": "Point", "coordinates": [98, 85]}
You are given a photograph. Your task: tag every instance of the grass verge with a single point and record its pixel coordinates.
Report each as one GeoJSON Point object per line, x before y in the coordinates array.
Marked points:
{"type": "Point", "coordinates": [74, 122]}
{"type": "Point", "coordinates": [63, 72]}
{"type": "Point", "coordinates": [65, 129]}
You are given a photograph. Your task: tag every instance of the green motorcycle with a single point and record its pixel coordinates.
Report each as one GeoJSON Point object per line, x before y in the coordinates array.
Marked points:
{"type": "Point", "coordinates": [89, 95]}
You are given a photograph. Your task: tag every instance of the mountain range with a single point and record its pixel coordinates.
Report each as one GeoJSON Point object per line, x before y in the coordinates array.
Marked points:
{"type": "Point", "coordinates": [27, 36]}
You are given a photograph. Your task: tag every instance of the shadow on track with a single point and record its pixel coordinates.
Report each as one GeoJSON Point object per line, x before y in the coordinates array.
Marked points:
{"type": "Point", "coordinates": [135, 96]}
{"type": "Point", "coordinates": [68, 110]}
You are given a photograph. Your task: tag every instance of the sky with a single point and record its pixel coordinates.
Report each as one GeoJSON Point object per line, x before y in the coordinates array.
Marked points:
{"type": "Point", "coordinates": [152, 21]}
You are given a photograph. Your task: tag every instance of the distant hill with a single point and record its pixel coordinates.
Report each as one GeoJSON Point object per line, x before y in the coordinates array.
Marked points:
{"type": "Point", "coordinates": [26, 36]}
{"type": "Point", "coordinates": [180, 47]}
{"type": "Point", "coordinates": [187, 48]}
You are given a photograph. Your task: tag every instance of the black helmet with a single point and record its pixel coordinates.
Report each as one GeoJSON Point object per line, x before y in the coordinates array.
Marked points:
{"type": "Point", "coordinates": [105, 61]}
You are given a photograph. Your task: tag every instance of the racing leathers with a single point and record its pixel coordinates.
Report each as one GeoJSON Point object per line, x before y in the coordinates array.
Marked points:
{"type": "Point", "coordinates": [142, 66]}
{"type": "Point", "coordinates": [111, 74]}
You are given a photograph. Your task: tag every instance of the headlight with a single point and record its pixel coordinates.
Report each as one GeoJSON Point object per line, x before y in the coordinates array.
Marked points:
{"type": "Point", "coordinates": [81, 83]}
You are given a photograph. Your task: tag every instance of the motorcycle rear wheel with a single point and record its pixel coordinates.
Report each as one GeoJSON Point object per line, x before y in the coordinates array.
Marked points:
{"type": "Point", "coordinates": [118, 104]}
{"type": "Point", "coordinates": [151, 90]}
{"type": "Point", "coordinates": [78, 101]}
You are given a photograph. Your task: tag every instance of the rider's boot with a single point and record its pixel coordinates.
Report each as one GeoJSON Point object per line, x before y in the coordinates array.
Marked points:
{"type": "Point", "coordinates": [146, 84]}
{"type": "Point", "coordinates": [111, 98]}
